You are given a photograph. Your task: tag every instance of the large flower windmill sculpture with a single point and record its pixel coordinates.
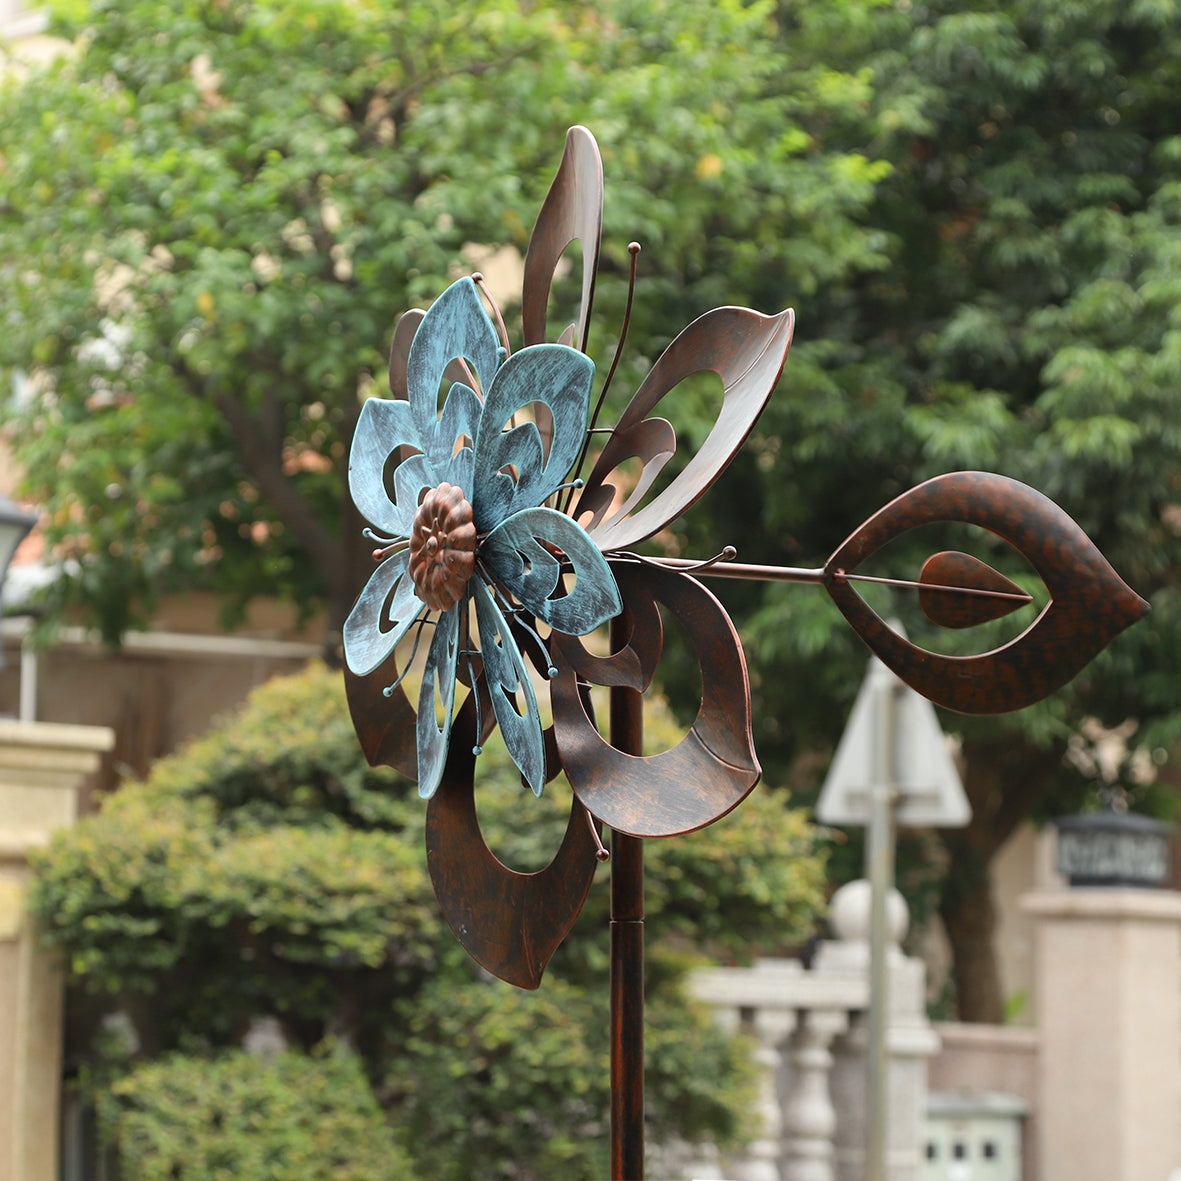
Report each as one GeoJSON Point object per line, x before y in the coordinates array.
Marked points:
{"type": "Point", "coordinates": [496, 557]}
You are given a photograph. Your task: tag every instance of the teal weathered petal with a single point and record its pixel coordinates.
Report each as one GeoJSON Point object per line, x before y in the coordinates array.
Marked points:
{"type": "Point", "coordinates": [512, 471]}
{"type": "Point", "coordinates": [516, 555]}
{"type": "Point", "coordinates": [436, 700]}
{"type": "Point", "coordinates": [383, 427]}
{"type": "Point", "coordinates": [511, 690]}
{"type": "Point", "coordinates": [455, 325]}
{"type": "Point", "coordinates": [383, 612]}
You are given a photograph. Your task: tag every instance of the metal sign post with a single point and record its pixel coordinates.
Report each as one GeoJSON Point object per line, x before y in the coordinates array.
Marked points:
{"type": "Point", "coordinates": [892, 766]}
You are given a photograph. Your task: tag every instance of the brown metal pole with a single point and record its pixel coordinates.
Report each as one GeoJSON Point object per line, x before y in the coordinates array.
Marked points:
{"type": "Point", "coordinates": [627, 964]}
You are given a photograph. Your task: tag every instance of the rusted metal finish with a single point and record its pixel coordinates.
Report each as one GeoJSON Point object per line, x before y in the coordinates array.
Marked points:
{"type": "Point", "coordinates": [510, 923]}
{"type": "Point", "coordinates": [713, 768]}
{"type": "Point", "coordinates": [747, 351]}
{"type": "Point", "coordinates": [1089, 604]}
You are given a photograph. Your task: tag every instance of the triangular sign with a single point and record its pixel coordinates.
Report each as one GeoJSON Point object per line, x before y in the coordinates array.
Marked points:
{"type": "Point", "coordinates": [921, 768]}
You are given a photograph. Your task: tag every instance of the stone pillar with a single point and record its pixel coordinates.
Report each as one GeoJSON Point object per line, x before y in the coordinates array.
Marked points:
{"type": "Point", "coordinates": [910, 1039]}
{"type": "Point", "coordinates": [1109, 1021]}
{"type": "Point", "coordinates": [42, 766]}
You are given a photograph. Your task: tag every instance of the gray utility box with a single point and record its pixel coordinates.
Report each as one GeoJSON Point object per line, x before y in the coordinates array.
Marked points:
{"type": "Point", "coordinates": [972, 1137]}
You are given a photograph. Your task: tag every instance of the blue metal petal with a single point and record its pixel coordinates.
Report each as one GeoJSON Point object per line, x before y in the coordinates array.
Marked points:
{"type": "Point", "coordinates": [516, 555]}
{"type": "Point", "coordinates": [508, 683]}
{"type": "Point", "coordinates": [384, 426]}
{"type": "Point", "coordinates": [511, 469]}
{"type": "Point", "coordinates": [436, 699]}
{"type": "Point", "coordinates": [455, 325]}
{"type": "Point", "coordinates": [379, 618]}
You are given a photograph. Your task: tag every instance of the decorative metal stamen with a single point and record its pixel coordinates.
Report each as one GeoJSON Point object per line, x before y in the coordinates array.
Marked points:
{"type": "Point", "coordinates": [442, 547]}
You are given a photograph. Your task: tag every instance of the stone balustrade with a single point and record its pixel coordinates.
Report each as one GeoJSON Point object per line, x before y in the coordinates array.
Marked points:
{"type": "Point", "coordinates": [809, 1028]}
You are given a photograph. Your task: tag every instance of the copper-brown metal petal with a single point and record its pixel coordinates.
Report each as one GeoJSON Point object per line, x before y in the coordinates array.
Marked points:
{"type": "Point", "coordinates": [510, 923]}
{"type": "Point", "coordinates": [633, 664]}
{"type": "Point", "coordinates": [1090, 604]}
{"type": "Point", "coordinates": [711, 770]}
{"type": "Point", "coordinates": [385, 726]}
{"type": "Point", "coordinates": [404, 331]}
{"type": "Point", "coordinates": [747, 351]}
{"type": "Point", "coordinates": [572, 211]}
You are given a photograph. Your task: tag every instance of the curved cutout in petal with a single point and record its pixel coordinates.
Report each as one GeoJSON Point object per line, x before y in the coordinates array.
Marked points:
{"type": "Point", "coordinates": [404, 331]}
{"type": "Point", "coordinates": [653, 442]}
{"type": "Point", "coordinates": [516, 555]}
{"type": "Point", "coordinates": [383, 426]}
{"type": "Point", "coordinates": [557, 377]}
{"type": "Point", "coordinates": [510, 923]}
{"type": "Point", "coordinates": [508, 682]}
{"type": "Point", "coordinates": [711, 770]}
{"type": "Point", "coordinates": [633, 664]}
{"type": "Point", "coordinates": [456, 325]}
{"type": "Point", "coordinates": [438, 683]}
{"type": "Point", "coordinates": [1090, 604]}
{"type": "Point", "coordinates": [572, 211]}
{"type": "Point", "coordinates": [747, 351]}
{"type": "Point", "coordinates": [381, 616]}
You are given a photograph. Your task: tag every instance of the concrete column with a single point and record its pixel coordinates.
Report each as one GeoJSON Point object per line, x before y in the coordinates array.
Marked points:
{"type": "Point", "coordinates": [42, 766]}
{"type": "Point", "coordinates": [910, 1039]}
{"type": "Point", "coordinates": [1108, 967]}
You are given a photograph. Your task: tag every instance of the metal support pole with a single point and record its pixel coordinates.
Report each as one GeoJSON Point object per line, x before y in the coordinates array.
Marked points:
{"type": "Point", "coordinates": [880, 871]}
{"type": "Point", "coordinates": [627, 964]}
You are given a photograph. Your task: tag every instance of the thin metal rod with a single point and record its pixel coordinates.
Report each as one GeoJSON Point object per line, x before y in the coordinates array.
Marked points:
{"type": "Point", "coordinates": [627, 960]}
{"type": "Point", "coordinates": [726, 569]}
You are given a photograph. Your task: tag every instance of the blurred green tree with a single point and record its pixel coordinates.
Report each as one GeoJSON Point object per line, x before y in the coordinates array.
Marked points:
{"type": "Point", "coordinates": [1026, 323]}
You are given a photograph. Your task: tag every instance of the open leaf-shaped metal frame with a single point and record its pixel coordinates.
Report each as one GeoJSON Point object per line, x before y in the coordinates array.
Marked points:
{"type": "Point", "coordinates": [1089, 603]}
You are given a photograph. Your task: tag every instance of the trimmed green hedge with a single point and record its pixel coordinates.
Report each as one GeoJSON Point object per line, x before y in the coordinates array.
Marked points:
{"type": "Point", "coordinates": [294, 1117]}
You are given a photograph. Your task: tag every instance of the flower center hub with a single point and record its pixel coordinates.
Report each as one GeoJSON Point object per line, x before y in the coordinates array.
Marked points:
{"type": "Point", "coordinates": [442, 547]}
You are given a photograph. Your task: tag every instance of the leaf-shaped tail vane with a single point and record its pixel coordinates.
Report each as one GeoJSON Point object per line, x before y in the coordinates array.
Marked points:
{"type": "Point", "coordinates": [1089, 603]}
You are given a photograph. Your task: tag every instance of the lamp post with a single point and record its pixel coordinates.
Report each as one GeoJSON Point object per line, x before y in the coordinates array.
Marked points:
{"type": "Point", "coordinates": [15, 526]}
{"type": "Point", "coordinates": [1111, 848]}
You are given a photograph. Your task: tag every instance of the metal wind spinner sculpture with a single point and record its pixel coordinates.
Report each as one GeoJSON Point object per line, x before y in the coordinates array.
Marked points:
{"type": "Point", "coordinates": [488, 536]}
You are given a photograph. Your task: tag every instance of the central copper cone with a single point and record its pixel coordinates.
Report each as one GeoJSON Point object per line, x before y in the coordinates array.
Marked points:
{"type": "Point", "coordinates": [442, 547]}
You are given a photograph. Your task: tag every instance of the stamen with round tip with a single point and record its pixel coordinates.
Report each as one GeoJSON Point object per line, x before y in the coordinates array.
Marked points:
{"type": "Point", "coordinates": [633, 248]}
{"type": "Point", "coordinates": [478, 279]}
{"type": "Point", "coordinates": [422, 622]}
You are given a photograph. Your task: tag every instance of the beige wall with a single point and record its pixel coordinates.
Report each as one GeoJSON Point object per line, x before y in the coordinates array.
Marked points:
{"type": "Point", "coordinates": [161, 688]}
{"type": "Point", "coordinates": [42, 770]}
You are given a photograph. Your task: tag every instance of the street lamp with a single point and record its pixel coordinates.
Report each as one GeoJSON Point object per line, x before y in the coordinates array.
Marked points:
{"type": "Point", "coordinates": [1110, 848]}
{"type": "Point", "coordinates": [15, 525]}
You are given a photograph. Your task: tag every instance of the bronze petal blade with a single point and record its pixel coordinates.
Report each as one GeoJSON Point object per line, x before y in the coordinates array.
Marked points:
{"type": "Point", "coordinates": [572, 211]}
{"type": "Point", "coordinates": [385, 726]}
{"type": "Point", "coordinates": [747, 350]}
{"type": "Point", "coordinates": [711, 770]}
{"type": "Point", "coordinates": [510, 923]}
{"type": "Point", "coordinates": [1090, 604]}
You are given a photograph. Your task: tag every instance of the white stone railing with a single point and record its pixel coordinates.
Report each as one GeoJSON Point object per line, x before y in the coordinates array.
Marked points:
{"type": "Point", "coordinates": [809, 1026]}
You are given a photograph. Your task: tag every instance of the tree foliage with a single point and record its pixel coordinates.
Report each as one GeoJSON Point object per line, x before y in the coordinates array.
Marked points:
{"type": "Point", "coordinates": [266, 872]}
{"type": "Point", "coordinates": [212, 214]}
{"type": "Point", "coordinates": [974, 208]}
{"type": "Point", "coordinates": [1026, 323]}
